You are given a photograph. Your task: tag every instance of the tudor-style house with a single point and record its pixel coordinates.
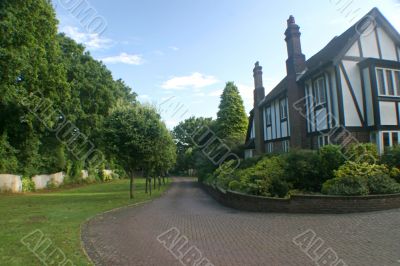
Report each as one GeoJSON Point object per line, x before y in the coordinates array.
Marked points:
{"type": "Point", "coordinates": [349, 91]}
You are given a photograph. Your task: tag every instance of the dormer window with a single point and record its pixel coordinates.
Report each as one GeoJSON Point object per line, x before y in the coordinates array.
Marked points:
{"type": "Point", "coordinates": [319, 92]}
{"type": "Point", "coordinates": [388, 82]}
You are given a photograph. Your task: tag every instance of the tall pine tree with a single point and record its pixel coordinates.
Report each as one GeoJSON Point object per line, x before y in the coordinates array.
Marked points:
{"type": "Point", "coordinates": [232, 120]}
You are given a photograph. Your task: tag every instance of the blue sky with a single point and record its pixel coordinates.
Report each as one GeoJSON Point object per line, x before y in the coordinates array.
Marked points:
{"type": "Point", "coordinates": [178, 54]}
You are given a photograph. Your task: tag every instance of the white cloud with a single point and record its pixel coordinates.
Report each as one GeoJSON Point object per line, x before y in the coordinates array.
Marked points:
{"type": "Point", "coordinates": [246, 91]}
{"type": "Point", "coordinates": [215, 93]}
{"type": "Point", "coordinates": [144, 98]}
{"type": "Point", "coordinates": [92, 41]}
{"type": "Point", "coordinates": [196, 81]}
{"type": "Point", "coordinates": [174, 48]}
{"type": "Point", "coordinates": [124, 58]}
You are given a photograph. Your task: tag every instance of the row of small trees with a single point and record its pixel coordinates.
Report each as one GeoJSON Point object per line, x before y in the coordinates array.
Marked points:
{"type": "Point", "coordinates": [35, 59]}
{"type": "Point", "coordinates": [230, 127]}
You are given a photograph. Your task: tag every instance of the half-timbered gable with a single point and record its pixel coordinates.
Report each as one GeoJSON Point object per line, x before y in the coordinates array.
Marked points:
{"type": "Point", "coordinates": [352, 84]}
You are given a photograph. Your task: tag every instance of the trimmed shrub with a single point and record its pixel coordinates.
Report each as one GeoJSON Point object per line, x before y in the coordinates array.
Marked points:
{"type": "Point", "coordinates": [279, 188]}
{"type": "Point", "coordinates": [346, 186]}
{"type": "Point", "coordinates": [331, 158]}
{"type": "Point", "coordinates": [391, 157]}
{"type": "Point", "coordinates": [383, 184]}
{"type": "Point", "coordinates": [362, 152]}
{"type": "Point", "coordinates": [28, 185]}
{"type": "Point", "coordinates": [302, 169]}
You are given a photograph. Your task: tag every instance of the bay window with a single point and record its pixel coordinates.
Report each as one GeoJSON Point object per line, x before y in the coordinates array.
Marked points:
{"type": "Point", "coordinates": [388, 82]}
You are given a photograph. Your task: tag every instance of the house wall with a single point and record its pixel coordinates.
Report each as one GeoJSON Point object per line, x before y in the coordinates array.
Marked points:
{"type": "Point", "coordinates": [278, 128]}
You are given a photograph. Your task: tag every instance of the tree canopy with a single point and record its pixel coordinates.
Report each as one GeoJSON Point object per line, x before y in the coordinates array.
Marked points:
{"type": "Point", "coordinates": [231, 118]}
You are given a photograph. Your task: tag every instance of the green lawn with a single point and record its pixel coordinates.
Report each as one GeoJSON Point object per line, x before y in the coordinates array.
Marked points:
{"type": "Point", "coordinates": [59, 216]}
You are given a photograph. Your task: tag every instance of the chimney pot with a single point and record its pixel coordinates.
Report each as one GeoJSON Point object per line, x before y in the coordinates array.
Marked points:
{"type": "Point", "coordinates": [291, 20]}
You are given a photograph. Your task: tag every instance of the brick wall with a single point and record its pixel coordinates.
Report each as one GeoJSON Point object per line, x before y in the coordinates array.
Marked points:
{"type": "Point", "coordinates": [305, 204]}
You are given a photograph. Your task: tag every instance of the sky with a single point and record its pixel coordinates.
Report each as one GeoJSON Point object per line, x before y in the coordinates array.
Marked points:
{"type": "Point", "coordinates": [178, 54]}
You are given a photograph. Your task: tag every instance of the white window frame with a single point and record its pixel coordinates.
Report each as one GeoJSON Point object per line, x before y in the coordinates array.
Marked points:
{"type": "Point", "coordinates": [396, 90]}
{"type": "Point", "coordinates": [252, 132]}
{"type": "Point", "coordinates": [283, 109]}
{"type": "Point", "coordinates": [268, 117]}
{"type": "Point", "coordinates": [270, 147]}
{"type": "Point", "coordinates": [380, 139]}
{"type": "Point", "coordinates": [323, 140]}
{"type": "Point", "coordinates": [285, 146]}
{"type": "Point", "coordinates": [317, 91]}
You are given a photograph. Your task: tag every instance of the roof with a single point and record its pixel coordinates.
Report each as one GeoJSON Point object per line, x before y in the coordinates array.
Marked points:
{"type": "Point", "coordinates": [337, 47]}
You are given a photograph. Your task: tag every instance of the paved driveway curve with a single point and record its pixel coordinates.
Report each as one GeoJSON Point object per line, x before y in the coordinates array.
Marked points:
{"type": "Point", "coordinates": [228, 237]}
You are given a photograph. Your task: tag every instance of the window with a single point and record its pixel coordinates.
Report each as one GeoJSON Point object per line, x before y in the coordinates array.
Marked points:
{"type": "Point", "coordinates": [323, 140]}
{"type": "Point", "coordinates": [252, 132]}
{"type": "Point", "coordinates": [268, 119]}
{"type": "Point", "coordinates": [270, 147]}
{"type": "Point", "coordinates": [285, 146]}
{"type": "Point", "coordinates": [389, 139]}
{"type": "Point", "coordinates": [388, 82]}
{"type": "Point", "coordinates": [283, 109]}
{"type": "Point", "coordinates": [319, 91]}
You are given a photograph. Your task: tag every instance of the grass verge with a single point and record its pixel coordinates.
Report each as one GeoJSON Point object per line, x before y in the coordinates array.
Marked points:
{"type": "Point", "coordinates": [59, 216]}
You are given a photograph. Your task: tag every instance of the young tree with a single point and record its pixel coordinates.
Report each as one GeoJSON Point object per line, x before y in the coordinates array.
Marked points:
{"type": "Point", "coordinates": [139, 140]}
{"type": "Point", "coordinates": [186, 147]}
{"type": "Point", "coordinates": [231, 118]}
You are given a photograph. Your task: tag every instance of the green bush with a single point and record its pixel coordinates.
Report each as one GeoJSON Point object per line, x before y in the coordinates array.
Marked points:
{"type": "Point", "coordinates": [364, 170]}
{"type": "Point", "coordinates": [234, 185]}
{"type": "Point", "coordinates": [28, 185]}
{"type": "Point", "coordinates": [355, 179]}
{"type": "Point", "coordinates": [279, 188]}
{"type": "Point", "coordinates": [362, 152]}
{"type": "Point", "coordinates": [391, 157]}
{"type": "Point", "coordinates": [331, 158]}
{"type": "Point", "coordinates": [302, 169]}
{"type": "Point", "coordinates": [395, 174]}
{"type": "Point", "coordinates": [346, 186]}
{"type": "Point", "coordinates": [382, 184]}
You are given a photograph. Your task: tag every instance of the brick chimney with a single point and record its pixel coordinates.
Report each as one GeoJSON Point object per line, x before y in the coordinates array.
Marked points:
{"type": "Point", "coordinates": [295, 65]}
{"type": "Point", "coordinates": [259, 94]}
{"type": "Point", "coordinates": [296, 62]}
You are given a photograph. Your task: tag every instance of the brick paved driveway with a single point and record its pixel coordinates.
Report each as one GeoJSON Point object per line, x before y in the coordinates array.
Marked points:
{"type": "Point", "coordinates": [229, 237]}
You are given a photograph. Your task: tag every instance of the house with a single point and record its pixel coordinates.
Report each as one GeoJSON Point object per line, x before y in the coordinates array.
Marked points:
{"type": "Point", "coordinates": [347, 92]}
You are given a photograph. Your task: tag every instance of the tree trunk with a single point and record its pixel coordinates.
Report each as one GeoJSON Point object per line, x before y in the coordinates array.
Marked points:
{"type": "Point", "coordinates": [159, 183]}
{"type": "Point", "coordinates": [150, 185]}
{"type": "Point", "coordinates": [131, 189]}
{"type": "Point", "coordinates": [154, 180]}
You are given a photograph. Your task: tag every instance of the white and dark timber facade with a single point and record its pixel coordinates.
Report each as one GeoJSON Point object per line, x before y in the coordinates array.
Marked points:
{"type": "Point", "coordinates": [349, 91]}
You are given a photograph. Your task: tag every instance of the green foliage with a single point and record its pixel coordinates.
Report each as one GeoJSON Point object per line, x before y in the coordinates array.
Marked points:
{"type": "Point", "coordinates": [231, 118]}
{"type": "Point", "coordinates": [28, 185]}
{"type": "Point", "coordinates": [331, 158]}
{"type": "Point", "coordinates": [303, 170]}
{"type": "Point", "coordinates": [363, 169]}
{"type": "Point", "coordinates": [140, 140]}
{"type": "Point", "coordinates": [346, 186]}
{"type": "Point", "coordinates": [265, 178]}
{"type": "Point", "coordinates": [395, 174]}
{"type": "Point", "coordinates": [8, 159]}
{"type": "Point", "coordinates": [187, 148]}
{"type": "Point", "coordinates": [361, 179]}
{"type": "Point", "coordinates": [383, 184]}
{"type": "Point", "coordinates": [362, 152]}
{"type": "Point", "coordinates": [391, 157]}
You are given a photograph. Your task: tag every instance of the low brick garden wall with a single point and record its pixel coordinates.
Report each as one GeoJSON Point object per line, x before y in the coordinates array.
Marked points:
{"type": "Point", "coordinates": [304, 204]}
